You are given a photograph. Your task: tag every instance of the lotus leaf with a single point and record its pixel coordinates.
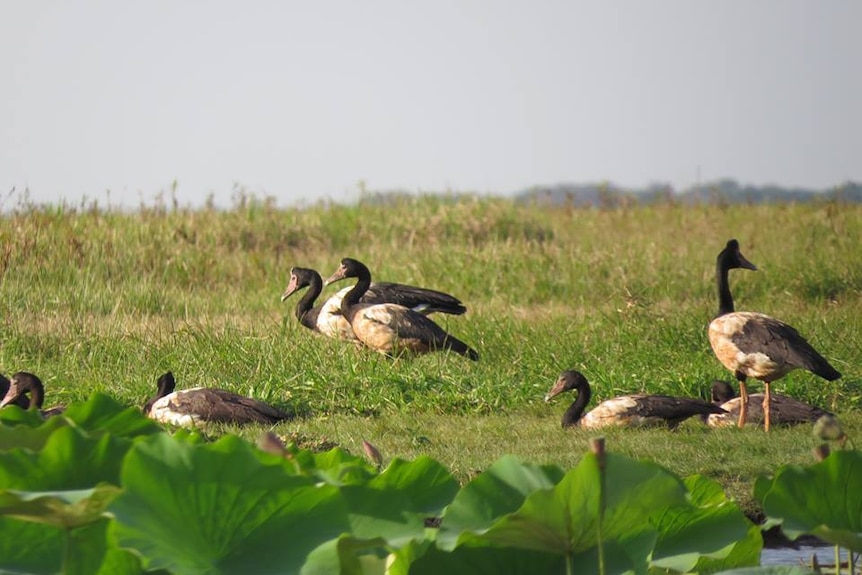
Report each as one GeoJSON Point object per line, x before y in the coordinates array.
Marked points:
{"type": "Point", "coordinates": [102, 413]}
{"type": "Point", "coordinates": [469, 560]}
{"type": "Point", "coordinates": [39, 548]}
{"type": "Point", "coordinates": [65, 509]}
{"type": "Point", "coordinates": [824, 499]}
{"type": "Point", "coordinates": [219, 508]}
{"type": "Point", "coordinates": [710, 526]}
{"type": "Point", "coordinates": [425, 482]}
{"type": "Point", "coordinates": [771, 570]}
{"type": "Point", "coordinates": [336, 467]}
{"type": "Point", "coordinates": [746, 553]}
{"type": "Point", "coordinates": [69, 460]}
{"type": "Point", "coordinates": [26, 435]}
{"type": "Point", "coordinates": [389, 511]}
{"type": "Point", "coordinates": [649, 515]}
{"type": "Point", "coordinates": [14, 416]}
{"type": "Point", "coordinates": [27, 547]}
{"type": "Point", "coordinates": [564, 519]}
{"type": "Point", "coordinates": [497, 491]}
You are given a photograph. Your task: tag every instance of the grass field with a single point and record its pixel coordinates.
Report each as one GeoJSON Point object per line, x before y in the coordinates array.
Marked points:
{"type": "Point", "coordinates": [102, 300]}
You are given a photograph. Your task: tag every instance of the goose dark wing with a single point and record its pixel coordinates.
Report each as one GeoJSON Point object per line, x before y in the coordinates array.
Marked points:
{"type": "Point", "coordinates": [669, 407]}
{"type": "Point", "coordinates": [787, 409]}
{"type": "Point", "coordinates": [782, 344]}
{"type": "Point", "coordinates": [419, 299]}
{"type": "Point", "coordinates": [419, 333]}
{"type": "Point", "coordinates": [223, 406]}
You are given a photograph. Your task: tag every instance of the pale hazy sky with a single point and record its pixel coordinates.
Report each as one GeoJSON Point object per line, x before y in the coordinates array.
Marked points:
{"type": "Point", "coordinates": [302, 100]}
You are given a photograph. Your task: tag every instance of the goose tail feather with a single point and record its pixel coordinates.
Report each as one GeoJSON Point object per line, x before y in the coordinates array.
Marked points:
{"type": "Point", "coordinates": [460, 347]}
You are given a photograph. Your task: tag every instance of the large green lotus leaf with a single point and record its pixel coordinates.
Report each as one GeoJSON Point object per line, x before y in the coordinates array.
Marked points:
{"type": "Point", "coordinates": [69, 460]}
{"type": "Point", "coordinates": [381, 516]}
{"type": "Point", "coordinates": [325, 560]}
{"type": "Point", "coordinates": [372, 564]}
{"type": "Point", "coordinates": [762, 485]}
{"type": "Point", "coordinates": [91, 551]}
{"type": "Point", "coordinates": [38, 548]}
{"type": "Point", "coordinates": [488, 561]}
{"type": "Point", "coordinates": [745, 553]}
{"type": "Point", "coordinates": [190, 436]}
{"type": "Point", "coordinates": [704, 492]}
{"type": "Point", "coordinates": [217, 508]}
{"type": "Point", "coordinates": [27, 547]}
{"type": "Point", "coordinates": [102, 413]}
{"type": "Point", "coordinates": [65, 509]}
{"type": "Point", "coordinates": [492, 560]}
{"type": "Point", "coordinates": [118, 561]}
{"type": "Point", "coordinates": [360, 558]}
{"type": "Point", "coordinates": [427, 484]}
{"type": "Point", "coordinates": [497, 491]}
{"type": "Point", "coordinates": [564, 520]}
{"type": "Point", "coordinates": [635, 491]}
{"type": "Point", "coordinates": [824, 499]}
{"type": "Point", "coordinates": [771, 570]}
{"type": "Point", "coordinates": [337, 467]}
{"type": "Point", "coordinates": [29, 436]}
{"type": "Point", "coordinates": [400, 560]}
{"type": "Point", "coordinates": [14, 416]}
{"type": "Point", "coordinates": [372, 556]}
{"type": "Point", "coordinates": [710, 525]}
{"type": "Point", "coordinates": [389, 511]}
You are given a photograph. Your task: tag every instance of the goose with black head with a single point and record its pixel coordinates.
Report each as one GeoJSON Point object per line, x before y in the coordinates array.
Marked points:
{"type": "Point", "coordinates": [785, 410]}
{"type": "Point", "coordinates": [327, 318]}
{"type": "Point", "coordinates": [390, 328]}
{"type": "Point", "coordinates": [635, 410]}
{"type": "Point", "coordinates": [21, 401]}
{"type": "Point", "coordinates": [196, 406]}
{"type": "Point", "coordinates": [752, 344]}
{"type": "Point", "coordinates": [24, 383]}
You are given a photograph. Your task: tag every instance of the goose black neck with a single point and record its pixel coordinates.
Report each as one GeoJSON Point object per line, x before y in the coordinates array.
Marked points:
{"type": "Point", "coordinates": [165, 385]}
{"type": "Point", "coordinates": [315, 286]}
{"type": "Point", "coordinates": [363, 282]}
{"type": "Point", "coordinates": [725, 299]}
{"type": "Point", "coordinates": [576, 409]}
{"type": "Point", "coordinates": [37, 394]}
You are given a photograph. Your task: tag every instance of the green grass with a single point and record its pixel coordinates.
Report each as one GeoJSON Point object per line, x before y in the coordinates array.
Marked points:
{"type": "Point", "coordinates": [102, 300]}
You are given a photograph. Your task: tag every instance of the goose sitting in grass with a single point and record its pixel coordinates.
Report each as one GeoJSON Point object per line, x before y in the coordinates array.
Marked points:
{"type": "Point", "coordinates": [193, 407]}
{"type": "Point", "coordinates": [327, 318]}
{"type": "Point", "coordinates": [634, 410]}
{"type": "Point", "coordinates": [23, 383]}
{"type": "Point", "coordinates": [755, 345]}
{"type": "Point", "coordinates": [391, 328]}
{"type": "Point", "coordinates": [785, 409]}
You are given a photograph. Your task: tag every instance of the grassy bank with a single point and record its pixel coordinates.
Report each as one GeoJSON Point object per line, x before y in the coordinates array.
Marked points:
{"type": "Point", "coordinates": [93, 300]}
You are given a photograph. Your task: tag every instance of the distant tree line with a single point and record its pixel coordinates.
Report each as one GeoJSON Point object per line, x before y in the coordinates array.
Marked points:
{"type": "Point", "coordinates": [725, 191]}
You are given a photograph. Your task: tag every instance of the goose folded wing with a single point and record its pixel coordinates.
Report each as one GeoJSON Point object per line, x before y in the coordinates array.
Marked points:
{"type": "Point", "coordinates": [778, 341]}
{"type": "Point", "coordinates": [219, 405]}
{"type": "Point", "coordinates": [418, 299]}
{"type": "Point", "coordinates": [408, 324]}
{"type": "Point", "coordinates": [669, 407]}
